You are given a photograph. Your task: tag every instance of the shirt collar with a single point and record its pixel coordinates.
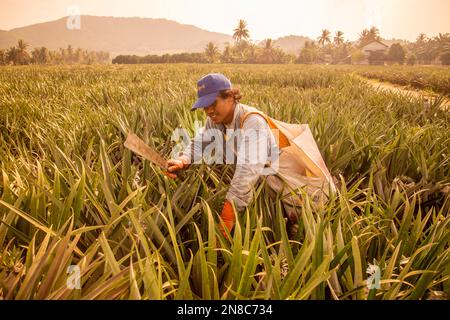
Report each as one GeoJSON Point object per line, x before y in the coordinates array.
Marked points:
{"type": "Point", "coordinates": [232, 124]}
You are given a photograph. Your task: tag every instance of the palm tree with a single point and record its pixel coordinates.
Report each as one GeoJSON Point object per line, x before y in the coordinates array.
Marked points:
{"type": "Point", "coordinates": [278, 56]}
{"type": "Point", "coordinates": [55, 57]}
{"type": "Point", "coordinates": [368, 35]}
{"type": "Point", "coordinates": [251, 53]}
{"type": "Point", "coordinates": [2, 57]}
{"type": "Point", "coordinates": [309, 53]}
{"type": "Point", "coordinates": [339, 38]}
{"type": "Point", "coordinates": [311, 45]}
{"type": "Point", "coordinates": [443, 41]}
{"type": "Point", "coordinates": [70, 54]}
{"type": "Point", "coordinates": [40, 55]}
{"type": "Point", "coordinates": [211, 52]}
{"type": "Point", "coordinates": [442, 47]}
{"type": "Point", "coordinates": [63, 55]}
{"type": "Point", "coordinates": [421, 48]}
{"type": "Point", "coordinates": [79, 56]}
{"type": "Point", "coordinates": [227, 55]}
{"type": "Point", "coordinates": [268, 44]}
{"type": "Point", "coordinates": [241, 32]}
{"type": "Point", "coordinates": [324, 37]}
{"type": "Point", "coordinates": [35, 56]}
{"type": "Point", "coordinates": [22, 54]}
{"type": "Point", "coordinates": [363, 36]}
{"type": "Point", "coordinates": [268, 51]}
{"type": "Point", "coordinates": [374, 33]}
{"type": "Point", "coordinates": [421, 38]}
{"type": "Point", "coordinates": [22, 45]}
{"type": "Point", "coordinates": [12, 55]}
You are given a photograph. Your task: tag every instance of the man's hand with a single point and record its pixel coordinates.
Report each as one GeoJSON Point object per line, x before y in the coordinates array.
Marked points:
{"type": "Point", "coordinates": [227, 217]}
{"type": "Point", "coordinates": [176, 165]}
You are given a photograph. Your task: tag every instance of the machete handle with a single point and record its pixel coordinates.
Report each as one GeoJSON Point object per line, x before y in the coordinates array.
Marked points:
{"type": "Point", "coordinates": [181, 174]}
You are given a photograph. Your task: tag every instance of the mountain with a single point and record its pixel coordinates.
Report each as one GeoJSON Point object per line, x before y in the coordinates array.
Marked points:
{"type": "Point", "coordinates": [291, 44]}
{"type": "Point", "coordinates": [7, 39]}
{"type": "Point", "coordinates": [117, 35]}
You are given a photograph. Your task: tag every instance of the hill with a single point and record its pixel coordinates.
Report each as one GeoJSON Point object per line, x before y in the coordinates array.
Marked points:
{"type": "Point", "coordinates": [116, 35]}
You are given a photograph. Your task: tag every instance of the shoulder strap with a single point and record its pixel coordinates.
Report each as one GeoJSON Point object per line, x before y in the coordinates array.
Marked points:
{"type": "Point", "coordinates": [281, 139]}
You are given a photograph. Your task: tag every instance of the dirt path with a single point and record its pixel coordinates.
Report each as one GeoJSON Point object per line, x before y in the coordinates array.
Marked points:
{"type": "Point", "coordinates": [427, 97]}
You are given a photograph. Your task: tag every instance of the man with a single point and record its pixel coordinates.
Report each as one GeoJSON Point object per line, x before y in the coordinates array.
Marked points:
{"type": "Point", "coordinates": [286, 154]}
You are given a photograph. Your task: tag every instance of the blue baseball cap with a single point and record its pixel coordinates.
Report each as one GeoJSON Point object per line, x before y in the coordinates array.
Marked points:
{"type": "Point", "coordinates": [208, 89]}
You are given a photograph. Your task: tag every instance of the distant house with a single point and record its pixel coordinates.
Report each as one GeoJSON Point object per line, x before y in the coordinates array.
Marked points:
{"type": "Point", "coordinates": [375, 45]}
{"type": "Point", "coordinates": [374, 49]}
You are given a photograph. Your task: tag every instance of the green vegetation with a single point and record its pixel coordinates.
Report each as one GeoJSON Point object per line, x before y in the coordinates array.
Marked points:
{"type": "Point", "coordinates": [435, 78]}
{"type": "Point", "coordinates": [327, 49]}
{"type": "Point", "coordinates": [19, 55]}
{"type": "Point", "coordinates": [71, 194]}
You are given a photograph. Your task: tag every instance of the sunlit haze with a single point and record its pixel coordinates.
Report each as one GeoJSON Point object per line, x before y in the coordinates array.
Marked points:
{"type": "Point", "coordinates": [400, 19]}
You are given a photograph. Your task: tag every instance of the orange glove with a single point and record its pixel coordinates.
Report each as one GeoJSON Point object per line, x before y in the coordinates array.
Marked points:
{"type": "Point", "coordinates": [227, 217]}
{"type": "Point", "coordinates": [175, 165]}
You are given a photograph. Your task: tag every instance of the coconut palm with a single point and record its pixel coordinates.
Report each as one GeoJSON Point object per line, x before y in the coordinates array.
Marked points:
{"type": "Point", "coordinates": [22, 55]}
{"type": "Point", "coordinates": [368, 35]}
{"type": "Point", "coordinates": [227, 55]}
{"type": "Point", "coordinates": [40, 55]}
{"type": "Point", "coordinates": [12, 55]}
{"type": "Point", "coordinates": [79, 55]}
{"type": "Point", "coordinates": [251, 53]}
{"type": "Point", "coordinates": [35, 56]}
{"type": "Point", "coordinates": [310, 44]}
{"type": "Point", "coordinates": [324, 38]}
{"type": "Point", "coordinates": [70, 54]}
{"type": "Point", "coordinates": [268, 51]}
{"type": "Point", "coordinates": [339, 38]}
{"type": "Point", "coordinates": [211, 52]}
{"type": "Point", "coordinates": [443, 41]}
{"type": "Point", "coordinates": [279, 56]}
{"type": "Point", "coordinates": [374, 33]}
{"type": "Point", "coordinates": [422, 48]}
{"type": "Point", "coordinates": [268, 44]}
{"type": "Point", "coordinates": [441, 47]}
{"type": "Point", "coordinates": [2, 57]}
{"type": "Point", "coordinates": [241, 32]}
{"type": "Point", "coordinates": [422, 38]}
{"type": "Point", "coordinates": [22, 45]}
{"type": "Point", "coordinates": [363, 36]}
{"type": "Point", "coordinates": [63, 55]}
{"type": "Point", "coordinates": [309, 53]}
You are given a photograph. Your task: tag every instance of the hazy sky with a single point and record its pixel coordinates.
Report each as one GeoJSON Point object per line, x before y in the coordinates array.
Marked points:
{"type": "Point", "coordinates": [403, 19]}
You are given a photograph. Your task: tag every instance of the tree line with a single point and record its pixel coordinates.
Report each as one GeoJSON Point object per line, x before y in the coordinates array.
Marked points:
{"type": "Point", "coordinates": [20, 55]}
{"type": "Point", "coordinates": [328, 48]}
{"type": "Point", "coordinates": [422, 51]}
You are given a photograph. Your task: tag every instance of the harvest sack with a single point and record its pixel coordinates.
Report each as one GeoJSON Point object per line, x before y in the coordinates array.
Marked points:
{"type": "Point", "coordinates": [300, 163]}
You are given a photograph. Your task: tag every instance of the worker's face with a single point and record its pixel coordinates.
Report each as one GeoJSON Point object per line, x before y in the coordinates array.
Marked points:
{"type": "Point", "coordinates": [221, 111]}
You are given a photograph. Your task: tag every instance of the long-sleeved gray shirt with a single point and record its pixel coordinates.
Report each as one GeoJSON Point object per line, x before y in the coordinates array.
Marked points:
{"type": "Point", "coordinates": [256, 147]}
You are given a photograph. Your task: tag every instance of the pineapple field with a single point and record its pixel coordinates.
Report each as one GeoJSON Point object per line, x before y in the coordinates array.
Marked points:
{"type": "Point", "coordinates": [75, 201]}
